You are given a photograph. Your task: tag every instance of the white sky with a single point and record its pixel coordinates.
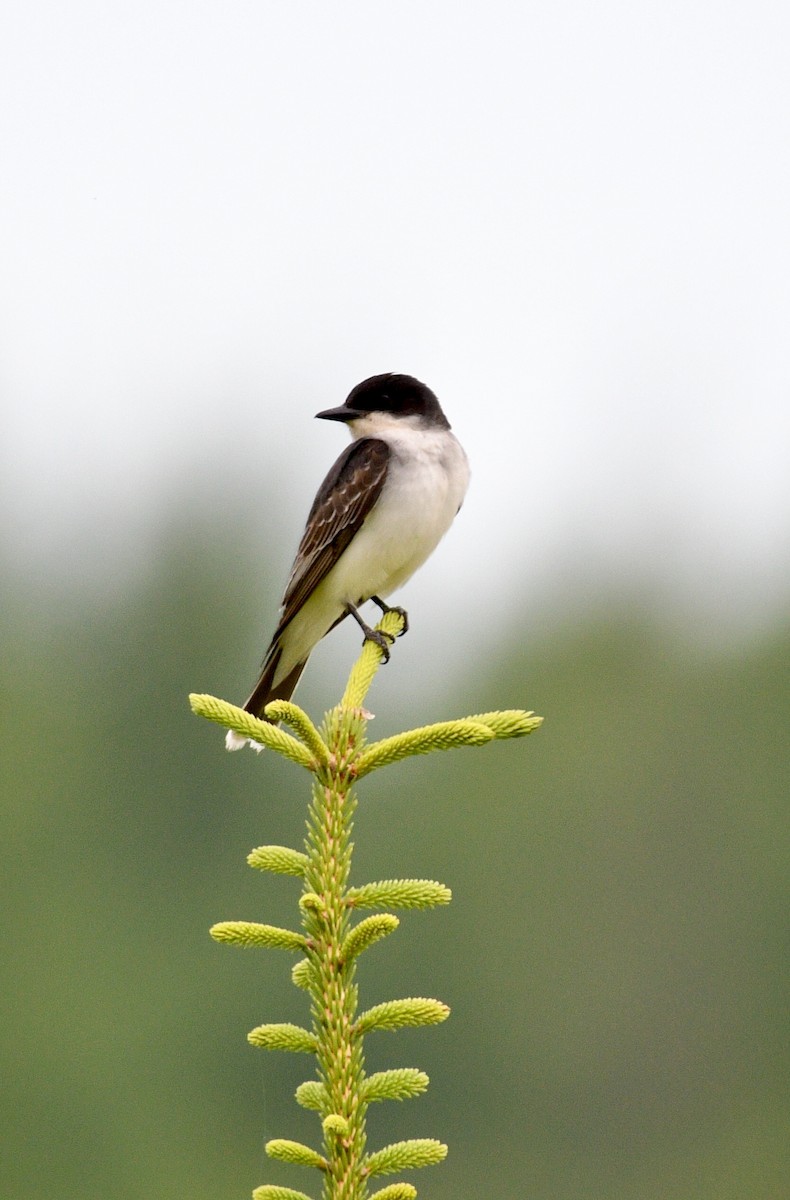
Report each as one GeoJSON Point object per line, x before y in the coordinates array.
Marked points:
{"type": "Point", "coordinates": [572, 220]}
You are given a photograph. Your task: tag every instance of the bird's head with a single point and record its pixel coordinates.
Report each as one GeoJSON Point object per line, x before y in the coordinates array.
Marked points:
{"type": "Point", "coordinates": [388, 402]}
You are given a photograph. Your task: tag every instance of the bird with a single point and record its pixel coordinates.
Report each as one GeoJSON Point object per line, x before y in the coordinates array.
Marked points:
{"type": "Point", "coordinates": [379, 514]}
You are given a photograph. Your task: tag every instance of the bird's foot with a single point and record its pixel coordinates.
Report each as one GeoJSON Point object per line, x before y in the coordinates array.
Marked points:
{"type": "Point", "coordinates": [377, 636]}
{"type": "Point", "coordinates": [387, 608]}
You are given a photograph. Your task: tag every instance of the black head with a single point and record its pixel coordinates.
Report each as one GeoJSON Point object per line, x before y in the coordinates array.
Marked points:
{"type": "Point", "coordinates": [401, 395]}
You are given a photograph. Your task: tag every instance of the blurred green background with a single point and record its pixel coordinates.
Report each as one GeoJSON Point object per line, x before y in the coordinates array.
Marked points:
{"type": "Point", "coordinates": [614, 954]}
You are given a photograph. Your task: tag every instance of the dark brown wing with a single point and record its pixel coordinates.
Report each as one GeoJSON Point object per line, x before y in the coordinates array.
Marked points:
{"type": "Point", "coordinates": [344, 499]}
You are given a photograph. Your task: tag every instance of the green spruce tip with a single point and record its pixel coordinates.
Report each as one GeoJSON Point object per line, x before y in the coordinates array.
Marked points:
{"type": "Point", "coordinates": [330, 940]}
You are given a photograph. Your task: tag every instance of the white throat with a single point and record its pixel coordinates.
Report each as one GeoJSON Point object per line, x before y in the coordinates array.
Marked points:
{"type": "Point", "coordinates": [379, 424]}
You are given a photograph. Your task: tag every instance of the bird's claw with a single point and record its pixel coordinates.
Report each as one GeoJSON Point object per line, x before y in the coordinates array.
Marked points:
{"type": "Point", "coordinates": [388, 608]}
{"type": "Point", "coordinates": [404, 616]}
{"type": "Point", "coordinates": [379, 638]}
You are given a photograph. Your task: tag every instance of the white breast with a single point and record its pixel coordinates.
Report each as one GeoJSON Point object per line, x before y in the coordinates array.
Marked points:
{"type": "Point", "coordinates": [426, 483]}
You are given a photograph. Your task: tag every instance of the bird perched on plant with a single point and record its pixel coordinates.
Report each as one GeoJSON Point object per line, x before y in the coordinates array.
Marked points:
{"type": "Point", "coordinates": [381, 511]}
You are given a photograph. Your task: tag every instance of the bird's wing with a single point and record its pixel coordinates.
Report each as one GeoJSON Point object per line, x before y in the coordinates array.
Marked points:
{"type": "Point", "coordinates": [344, 499]}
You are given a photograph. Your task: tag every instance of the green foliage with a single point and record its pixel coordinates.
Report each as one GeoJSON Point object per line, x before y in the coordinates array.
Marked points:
{"type": "Point", "coordinates": [402, 1014]}
{"type": "Point", "coordinates": [279, 859]}
{"type": "Point", "coordinates": [301, 974]}
{"type": "Point", "coordinates": [273, 1192]}
{"type": "Point", "coordinates": [400, 1084]}
{"type": "Point", "coordinates": [399, 893]}
{"type": "Point", "coordinates": [401, 1156]}
{"type": "Point", "coordinates": [283, 1036]}
{"type": "Point", "coordinates": [303, 727]}
{"type": "Point", "coordinates": [335, 1126]}
{"type": "Point", "coordinates": [446, 735]}
{"type": "Point", "coordinates": [262, 732]}
{"type": "Point", "coordinates": [295, 1152]}
{"type": "Point", "coordinates": [366, 933]}
{"type": "Point", "coordinates": [248, 933]}
{"type": "Point", "coordinates": [396, 1191]}
{"type": "Point", "coordinates": [331, 944]}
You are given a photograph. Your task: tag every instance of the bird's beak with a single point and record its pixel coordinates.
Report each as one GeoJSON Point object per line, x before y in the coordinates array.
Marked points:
{"type": "Point", "coordinates": [342, 413]}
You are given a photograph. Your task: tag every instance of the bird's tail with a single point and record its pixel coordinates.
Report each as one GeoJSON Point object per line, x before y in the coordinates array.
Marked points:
{"type": "Point", "coordinates": [266, 690]}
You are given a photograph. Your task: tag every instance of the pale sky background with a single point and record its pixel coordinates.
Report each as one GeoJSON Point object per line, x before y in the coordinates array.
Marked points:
{"type": "Point", "coordinates": [572, 220]}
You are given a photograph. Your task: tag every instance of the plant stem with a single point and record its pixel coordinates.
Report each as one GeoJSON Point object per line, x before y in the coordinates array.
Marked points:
{"type": "Point", "coordinates": [333, 987]}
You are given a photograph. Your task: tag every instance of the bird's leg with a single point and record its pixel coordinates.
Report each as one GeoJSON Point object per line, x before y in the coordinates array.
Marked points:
{"type": "Point", "coordinates": [385, 608]}
{"type": "Point", "coordinates": [372, 635]}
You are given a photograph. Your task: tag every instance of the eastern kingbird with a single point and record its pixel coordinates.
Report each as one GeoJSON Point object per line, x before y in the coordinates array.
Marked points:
{"type": "Point", "coordinates": [381, 511]}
